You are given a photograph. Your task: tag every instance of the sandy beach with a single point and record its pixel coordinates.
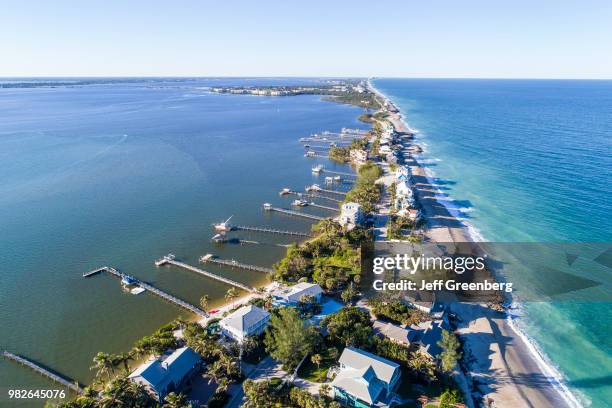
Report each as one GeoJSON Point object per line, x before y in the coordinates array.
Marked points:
{"type": "Point", "coordinates": [502, 370]}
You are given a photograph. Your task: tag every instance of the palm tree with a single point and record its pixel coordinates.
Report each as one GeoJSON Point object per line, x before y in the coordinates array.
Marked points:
{"type": "Point", "coordinates": [103, 364]}
{"type": "Point", "coordinates": [174, 400]}
{"type": "Point", "coordinates": [316, 359]}
{"type": "Point", "coordinates": [268, 302]}
{"type": "Point", "coordinates": [324, 390]}
{"type": "Point", "coordinates": [225, 367]}
{"type": "Point", "coordinates": [423, 366]}
{"type": "Point", "coordinates": [123, 358]}
{"type": "Point", "coordinates": [204, 302]}
{"type": "Point", "coordinates": [231, 294]}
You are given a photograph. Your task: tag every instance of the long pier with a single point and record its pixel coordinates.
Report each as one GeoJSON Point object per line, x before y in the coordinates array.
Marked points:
{"type": "Point", "coordinates": [150, 288]}
{"type": "Point", "coordinates": [170, 260]}
{"type": "Point", "coordinates": [318, 189]}
{"type": "Point", "coordinates": [295, 213]}
{"type": "Point", "coordinates": [313, 204]}
{"type": "Point", "coordinates": [270, 230]}
{"type": "Point", "coordinates": [310, 195]}
{"type": "Point", "coordinates": [73, 385]}
{"type": "Point", "coordinates": [339, 173]}
{"type": "Point", "coordinates": [234, 264]}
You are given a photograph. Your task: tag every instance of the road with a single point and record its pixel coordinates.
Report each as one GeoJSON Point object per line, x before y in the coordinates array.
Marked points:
{"type": "Point", "coordinates": [268, 368]}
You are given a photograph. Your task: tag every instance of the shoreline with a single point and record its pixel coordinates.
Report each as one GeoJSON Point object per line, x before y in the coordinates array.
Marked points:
{"type": "Point", "coordinates": [445, 226]}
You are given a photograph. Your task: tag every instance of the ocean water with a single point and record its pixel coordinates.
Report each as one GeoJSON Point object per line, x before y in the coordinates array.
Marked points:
{"type": "Point", "coordinates": [120, 173]}
{"type": "Point", "coordinates": [528, 161]}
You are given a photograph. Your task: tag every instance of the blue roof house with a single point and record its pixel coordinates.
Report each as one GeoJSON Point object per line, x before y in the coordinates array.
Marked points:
{"type": "Point", "coordinates": [162, 376]}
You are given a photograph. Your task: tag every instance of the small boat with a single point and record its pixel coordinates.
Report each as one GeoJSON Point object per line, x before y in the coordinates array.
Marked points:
{"type": "Point", "coordinates": [128, 280]}
{"type": "Point", "coordinates": [317, 169]}
{"type": "Point", "coordinates": [329, 180]}
{"type": "Point", "coordinates": [219, 238]}
{"type": "Point", "coordinates": [223, 226]}
{"type": "Point", "coordinates": [337, 179]}
{"type": "Point", "coordinates": [314, 187]}
{"type": "Point", "coordinates": [285, 191]}
{"type": "Point", "coordinates": [300, 203]}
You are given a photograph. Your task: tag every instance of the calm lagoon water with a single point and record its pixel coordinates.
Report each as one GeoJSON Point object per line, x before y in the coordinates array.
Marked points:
{"type": "Point", "coordinates": [119, 174]}
{"type": "Point", "coordinates": [528, 161]}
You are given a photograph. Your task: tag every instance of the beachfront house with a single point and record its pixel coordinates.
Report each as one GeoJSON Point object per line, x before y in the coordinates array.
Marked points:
{"type": "Point", "coordinates": [167, 374]}
{"type": "Point", "coordinates": [351, 214]}
{"type": "Point", "coordinates": [396, 334]}
{"type": "Point", "coordinates": [292, 295]}
{"type": "Point", "coordinates": [365, 379]}
{"type": "Point", "coordinates": [247, 321]}
{"type": "Point", "coordinates": [358, 156]}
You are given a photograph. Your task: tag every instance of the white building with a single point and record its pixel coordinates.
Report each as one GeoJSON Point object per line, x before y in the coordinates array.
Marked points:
{"type": "Point", "coordinates": [293, 294]}
{"type": "Point", "coordinates": [247, 321]}
{"type": "Point", "coordinates": [162, 376]}
{"type": "Point", "coordinates": [351, 214]}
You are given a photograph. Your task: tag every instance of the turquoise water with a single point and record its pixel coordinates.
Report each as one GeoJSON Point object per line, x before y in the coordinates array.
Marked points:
{"type": "Point", "coordinates": [121, 173]}
{"type": "Point", "coordinates": [528, 161]}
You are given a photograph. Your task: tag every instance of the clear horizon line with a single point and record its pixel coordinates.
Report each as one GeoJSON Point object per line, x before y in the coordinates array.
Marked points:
{"type": "Point", "coordinates": [299, 76]}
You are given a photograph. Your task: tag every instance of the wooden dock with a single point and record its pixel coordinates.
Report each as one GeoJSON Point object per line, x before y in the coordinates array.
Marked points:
{"type": "Point", "coordinates": [324, 207]}
{"type": "Point", "coordinates": [294, 213]}
{"type": "Point", "coordinates": [270, 230]}
{"type": "Point", "coordinates": [339, 173]}
{"type": "Point", "coordinates": [325, 198]}
{"type": "Point", "coordinates": [234, 264]}
{"type": "Point", "coordinates": [72, 385]}
{"type": "Point", "coordinates": [310, 195]}
{"type": "Point", "coordinates": [164, 295]}
{"type": "Point", "coordinates": [170, 260]}
{"type": "Point", "coordinates": [317, 189]}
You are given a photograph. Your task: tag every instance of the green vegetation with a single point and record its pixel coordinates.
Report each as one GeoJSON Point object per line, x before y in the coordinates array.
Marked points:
{"type": "Point", "coordinates": [366, 118]}
{"type": "Point", "coordinates": [315, 368]}
{"type": "Point", "coordinates": [343, 154]}
{"type": "Point", "coordinates": [450, 350]}
{"type": "Point", "coordinates": [272, 394]}
{"type": "Point", "coordinates": [364, 99]}
{"type": "Point", "coordinates": [288, 339]}
{"type": "Point", "coordinates": [339, 154]}
{"type": "Point", "coordinates": [349, 327]}
{"type": "Point", "coordinates": [449, 398]}
{"type": "Point", "coordinates": [365, 191]}
{"type": "Point", "coordinates": [396, 312]}
{"type": "Point", "coordinates": [218, 400]}
{"type": "Point", "coordinates": [332, 259]}
{"type": "Point", "coordinates": [397, 225]}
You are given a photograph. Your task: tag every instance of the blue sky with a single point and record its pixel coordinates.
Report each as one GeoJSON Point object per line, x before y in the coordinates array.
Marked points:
{"type": "Point", "coordinates": [501, 39]}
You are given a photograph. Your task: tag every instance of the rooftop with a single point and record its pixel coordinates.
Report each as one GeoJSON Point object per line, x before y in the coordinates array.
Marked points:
{"type": "Point", "coordinates": [158, 374]}
{"type": "Point", "coordinates": [359, 359]}
{"type": "Point", "coordinates": [245, 318]}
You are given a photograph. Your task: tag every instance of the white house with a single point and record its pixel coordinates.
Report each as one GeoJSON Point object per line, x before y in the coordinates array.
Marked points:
{"type": "Point", "coordinates": [292, 294]}
{"type": "Point", "coordinates": [365, 379]}
{"type": "Point", "coordinates": [351, 214]}
{"type": "Point", "coordinates": [247, 321]}
{"type": "Point", "coordinates": [162, 376]}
